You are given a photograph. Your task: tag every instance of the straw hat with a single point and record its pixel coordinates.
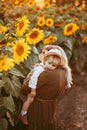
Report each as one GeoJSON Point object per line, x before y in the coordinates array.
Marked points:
{"type": "Point", "coordinates": [49, 47]}
{"type": "Point", "coordinates": [56, 52]}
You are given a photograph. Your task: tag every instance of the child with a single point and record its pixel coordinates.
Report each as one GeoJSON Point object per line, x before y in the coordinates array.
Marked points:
{"type": "Point", "coordinates": [66, 65]}
{"type": "Point", "coordinates": [51, 60]}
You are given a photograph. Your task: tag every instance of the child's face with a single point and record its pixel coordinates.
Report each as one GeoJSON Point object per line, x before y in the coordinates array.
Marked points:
{"type": "Point", "coordinates": [51, 62]}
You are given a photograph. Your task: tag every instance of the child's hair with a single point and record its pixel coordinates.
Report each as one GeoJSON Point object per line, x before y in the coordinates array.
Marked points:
{"type": "Point", "coordinates": [68, 69]}
{"type": "Point", "coordinates": [53, 56]}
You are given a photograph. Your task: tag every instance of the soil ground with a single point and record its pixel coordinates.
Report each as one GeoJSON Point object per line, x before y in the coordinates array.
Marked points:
{"type": "Point", "coordinates": [71, 111]}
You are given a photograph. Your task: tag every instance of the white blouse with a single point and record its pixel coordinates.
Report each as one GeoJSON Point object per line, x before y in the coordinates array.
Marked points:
{"type": "Point", "coordinates": [34, 78]}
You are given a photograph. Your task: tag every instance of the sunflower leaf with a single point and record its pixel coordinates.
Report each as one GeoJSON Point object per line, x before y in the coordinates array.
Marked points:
{"type": "Point", "coordinates": [15, 85]}
{"type": "Point", "coordinates": [16, 72]}
{"type": "Point", "coordinates": [3, 81]}
{"type": "Point", "coordinates": [2, 36]}
{"type": "Point", "coordinates": [35, 51]}
{"type": "Point", "coordinates": [9, 103]}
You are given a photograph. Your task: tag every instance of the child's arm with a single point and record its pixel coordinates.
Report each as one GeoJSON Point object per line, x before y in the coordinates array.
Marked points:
{"type": "Point", "coordinates": [32, 84]}
{"type": "Point", "coordinates": [29, 100]}
{"type": "Point", "coordinates": [27, 103]}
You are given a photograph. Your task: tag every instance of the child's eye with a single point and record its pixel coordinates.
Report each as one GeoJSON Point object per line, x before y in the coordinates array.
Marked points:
{"type": "Point", "coordinates": [49, 62]}
{"type": "Point", "coordinates": [54, 65]}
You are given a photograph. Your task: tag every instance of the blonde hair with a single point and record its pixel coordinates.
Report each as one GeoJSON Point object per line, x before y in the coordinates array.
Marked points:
{"type": "Point", "coordinates": [67, 68]}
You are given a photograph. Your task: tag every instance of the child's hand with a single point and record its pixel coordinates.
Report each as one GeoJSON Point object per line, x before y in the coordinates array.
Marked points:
{"type": "Point", "coordinates": [23, 119]}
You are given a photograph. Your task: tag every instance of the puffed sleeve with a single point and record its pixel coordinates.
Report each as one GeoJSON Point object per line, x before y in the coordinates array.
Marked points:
{"type": "Point", "coordinates": [34, 78]}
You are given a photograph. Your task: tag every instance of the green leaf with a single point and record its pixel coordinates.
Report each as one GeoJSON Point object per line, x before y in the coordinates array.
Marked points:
{"type": "Point", "coordinates": [32, 60]}
{"type": "Point", "coordinates": [15, 85]}
{"type": "Point", "coordinates": [9, 103]}
{"type": "Point", "coordinates": [68, 47]}
{"type": "Point", "coordinates": [3, 124]}
{"type": "Point", "coordinates": [2, 35]}
{"type": "Point", "coordinates": [16, 72]}
{"type": "Point", "coordinates": [34, 50]}
{"type": "Point", "coordinates": [47, 33]}
{"type": "Point", "coordinates": [3, 81]}
{"type": "Point", "coordinates": [68, 44]}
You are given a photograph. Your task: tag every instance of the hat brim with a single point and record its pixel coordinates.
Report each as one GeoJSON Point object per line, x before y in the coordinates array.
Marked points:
{"type": "Point", "coordinates": [41, 55]}
{"type": "Point", "coordinates": [48, 47]}
{"type": "Point", "coordinates": [62, 63]}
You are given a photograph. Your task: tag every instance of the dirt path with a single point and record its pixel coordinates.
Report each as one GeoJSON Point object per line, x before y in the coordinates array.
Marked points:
{"type": "Point", "coordinates": [71, 112]}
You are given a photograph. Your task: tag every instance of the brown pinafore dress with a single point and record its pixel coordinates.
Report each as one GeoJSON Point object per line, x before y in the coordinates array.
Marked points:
{"type": "Point", "coordinates": [51, 86]}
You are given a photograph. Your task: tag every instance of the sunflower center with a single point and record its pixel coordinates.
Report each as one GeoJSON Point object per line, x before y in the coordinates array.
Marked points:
{"type": "Point", "coordinates": [21, 24]}
{"type": "Point", "coordinates": [34, 34]}
{"type": "Point", "coordinates": [46, 4]}
{"type": "Point", "coordinates": [51, 39]}
{"type": "Point", "coordinates": [41, 22]}
{"type": "Point", "coordinates": [49, 22]}
{"type": "Point", "coordinates": [2, 63]}
{"type": "Point", "coordinates": [20, 50]}
{"type": "Point", "coordinates": [69, 28]}
{"type": "Point", "coordinates": [30, 3]}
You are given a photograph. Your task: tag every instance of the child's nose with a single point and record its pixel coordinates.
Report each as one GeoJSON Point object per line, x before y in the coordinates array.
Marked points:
{"type": "Point", "coordinates": [50, 66]}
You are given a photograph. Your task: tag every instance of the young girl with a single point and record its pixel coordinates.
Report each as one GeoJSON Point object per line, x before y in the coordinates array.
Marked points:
{"type": "Point", "coordinates": [51, 60]}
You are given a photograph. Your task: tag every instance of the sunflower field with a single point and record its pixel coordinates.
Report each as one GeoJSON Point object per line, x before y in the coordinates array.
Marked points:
{"type": "Point", "coordinates": [24, 30]}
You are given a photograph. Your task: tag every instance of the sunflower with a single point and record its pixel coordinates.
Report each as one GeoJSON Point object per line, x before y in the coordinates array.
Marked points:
{"type": "Point", "coordinates": [65, 10]}
{"type": "Point", "coordinates": [84, 26]}
{"type": "Point", "coordinates": [59, 23]}
{"type": "Point", "coordinates": [41, 15]}
{"type": "Point", "coordinates": [22, 25]}
{"type": "Point", "coordinates": [37, 9]}
{"type": "Point", "coordinates": [20, 4]}
{"type": "Point", "coordinates": [31, 3]}
{"type": "Point", "coordinates": [34, 36]}
{"type": "Point", "coordinates": [3, 29]}
{"type": "Point", "coordinates": [49, 22]}
{"type": "Point", "coordinates": [10, 63]}
{"type": "Point", "coordinates": [6, 63]}
{"type": "Point", "coordinates": [20, 51]}
{"type": "Point", "coordinates": [16, 2]}
{"type": "Point", "coordinates": [41, 22]}
{"type": "Point", "coordinates": [75, 19]}
{"type": "Point", "coordinates": [46, 5]}
{"type": "Point", "coordinates": [70, 29]}
{"type": "Point", "coordinates": [84, 40]}
{"type": "Point", "coordinates": [30, 10]}
{"type": "Point", "coordinates": [50, 39]}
